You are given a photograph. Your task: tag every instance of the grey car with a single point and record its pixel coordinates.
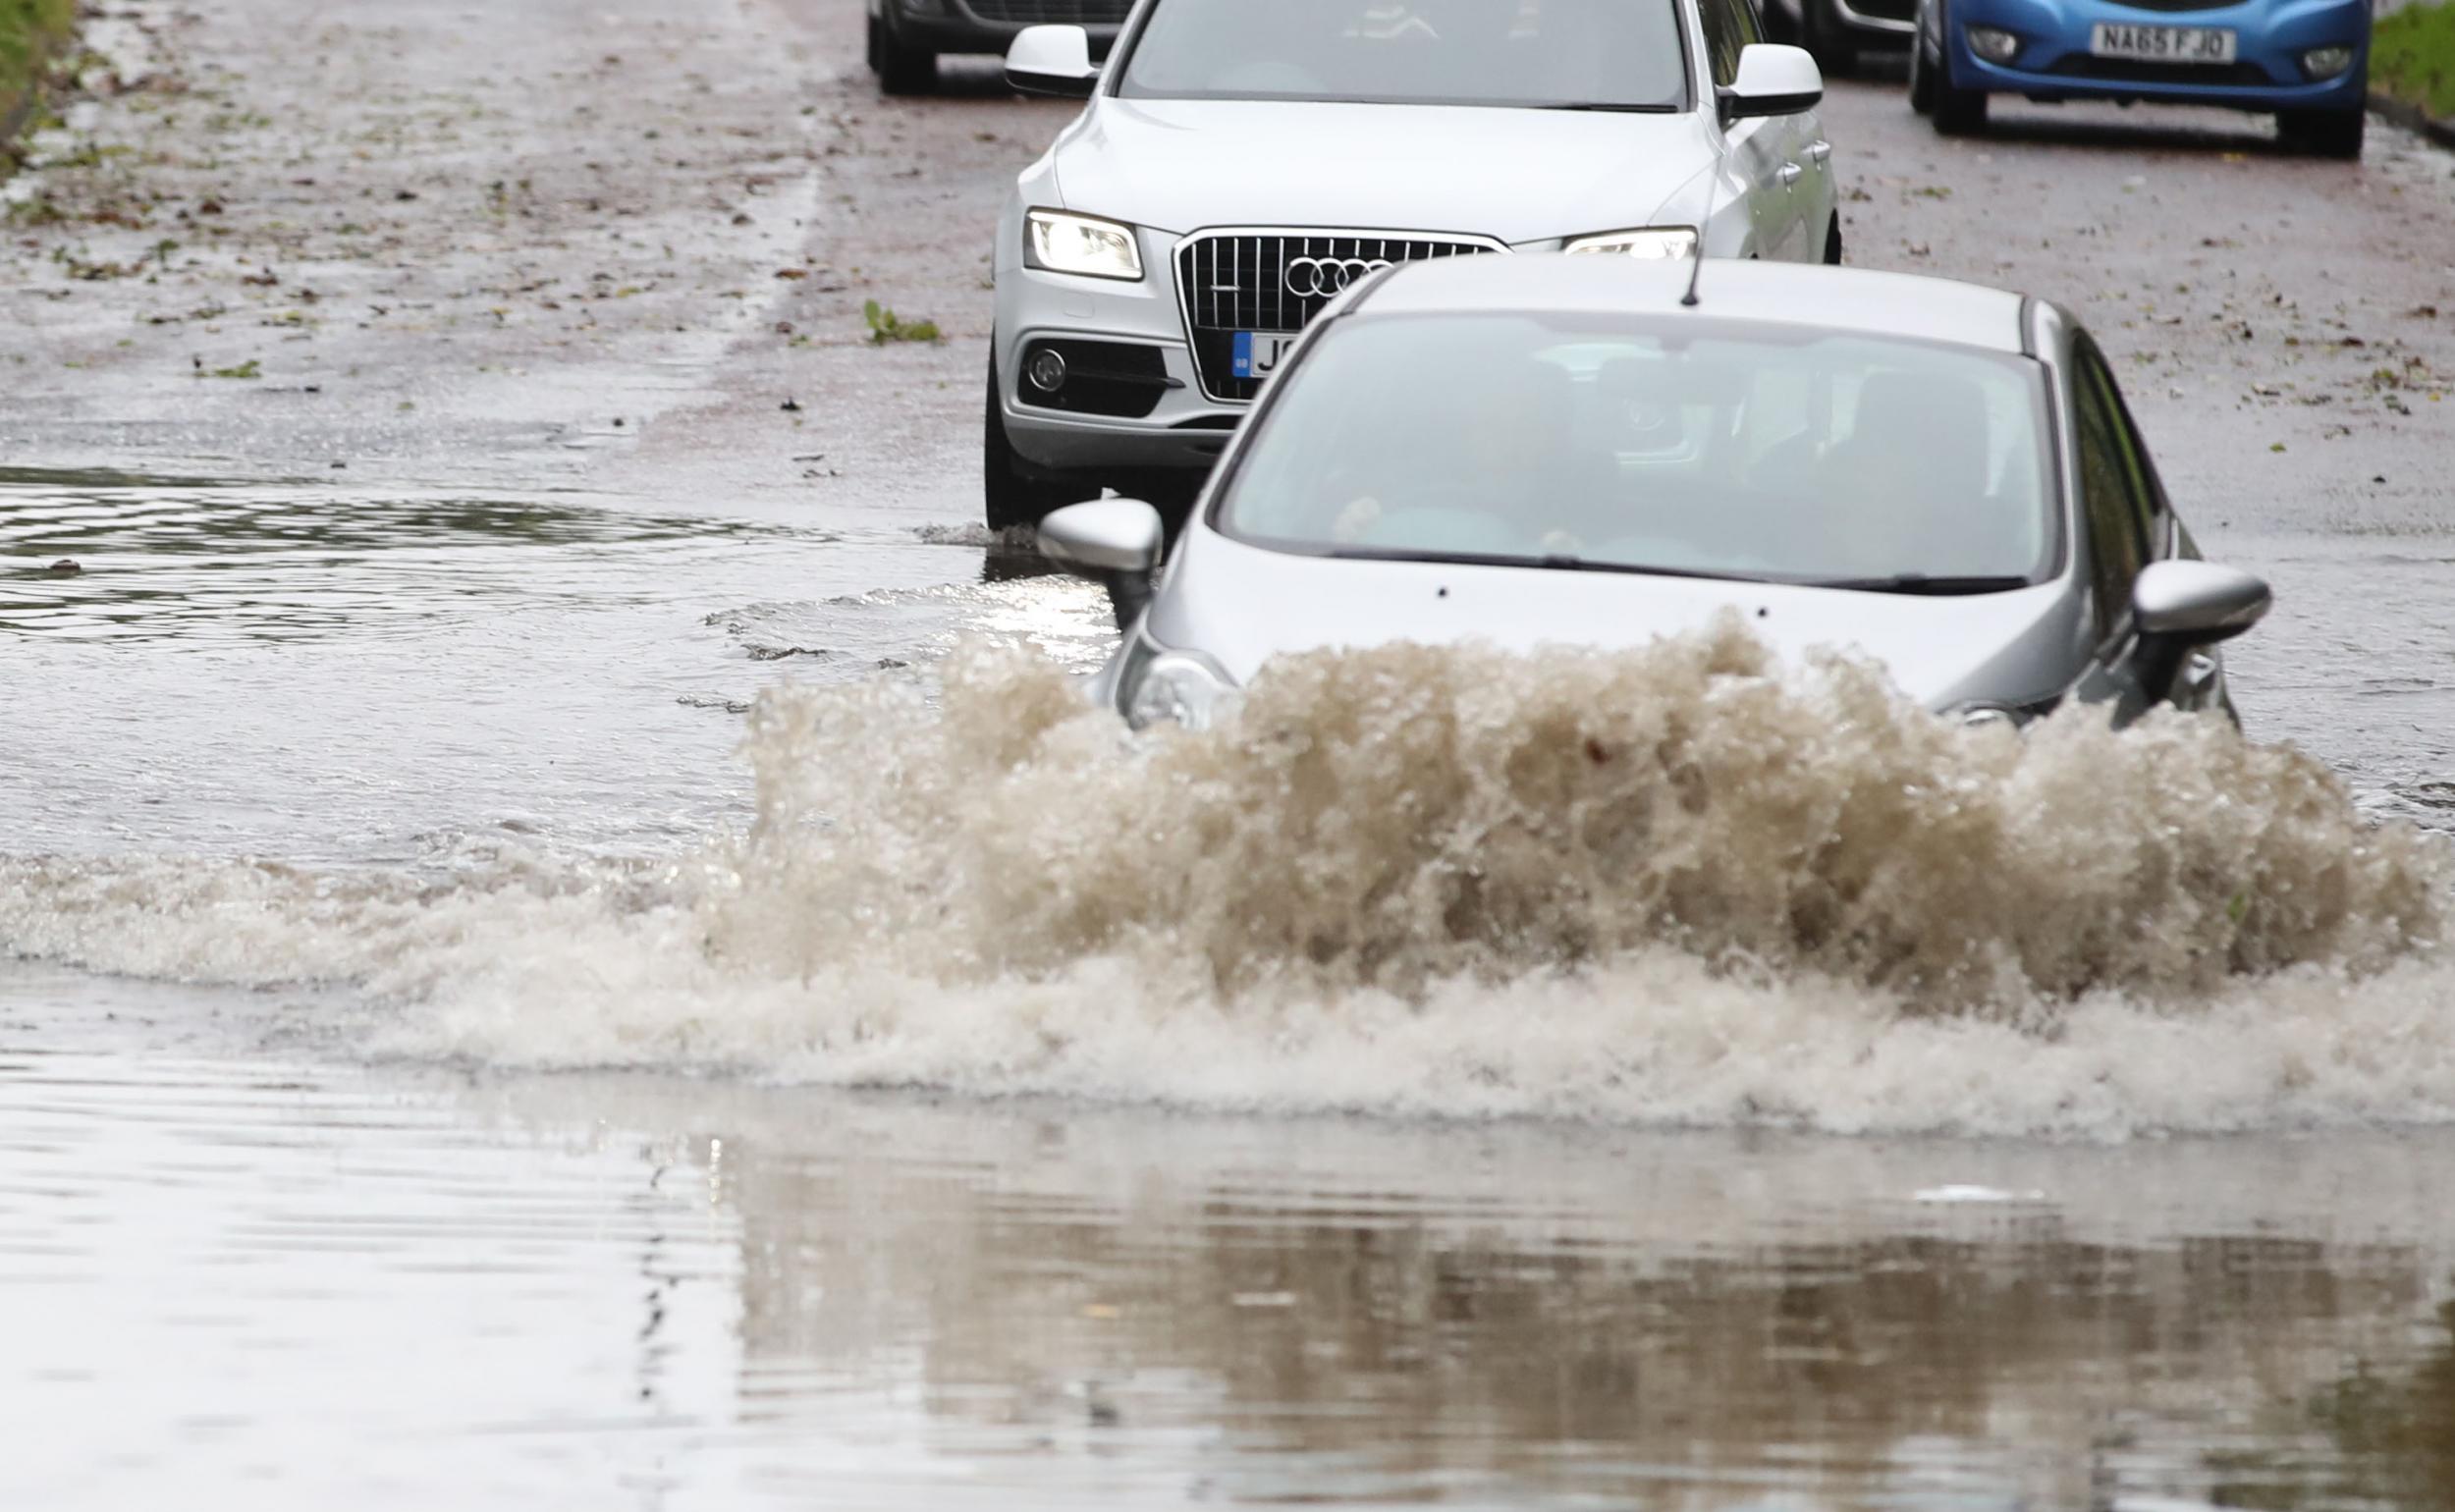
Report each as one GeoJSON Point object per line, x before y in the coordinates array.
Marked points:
{"type": "Point", "coordinates": [1526, 450]}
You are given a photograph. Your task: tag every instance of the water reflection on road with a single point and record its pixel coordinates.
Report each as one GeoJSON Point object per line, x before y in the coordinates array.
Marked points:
{"type": "Point", "coordinates": [594, 1291]}
{"type": "Point", "coordinates": [305, 671]}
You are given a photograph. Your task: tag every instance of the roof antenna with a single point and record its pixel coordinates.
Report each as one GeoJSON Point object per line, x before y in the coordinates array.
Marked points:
{"type": "Point", "coordinates": [1696, 266]}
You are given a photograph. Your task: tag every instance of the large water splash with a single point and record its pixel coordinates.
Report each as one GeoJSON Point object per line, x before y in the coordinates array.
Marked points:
{"type": "Point", "coordinates": [1407, 815]}
{"type": "Point", "coordinates": [1683, 884]}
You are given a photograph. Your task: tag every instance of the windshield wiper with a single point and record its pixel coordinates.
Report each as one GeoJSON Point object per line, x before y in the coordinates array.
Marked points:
{"type": "Point", "coordinates": [1561, 562]}
{"type": "Point", "coordinates": [1924, 586]}
{"type": "Point", "coordinates": [1656, 109]}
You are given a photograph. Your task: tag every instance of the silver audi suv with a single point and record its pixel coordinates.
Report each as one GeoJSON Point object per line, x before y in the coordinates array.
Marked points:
{"type": "Point", "coordinates": [1238, 162]}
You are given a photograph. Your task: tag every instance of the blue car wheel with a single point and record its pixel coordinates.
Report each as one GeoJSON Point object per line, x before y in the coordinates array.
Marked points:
{"type": "Point", "coordinates": [2333, 134]}
{"type": "Point", "coordinates": [1921, 72]}
{"type": "Point", "coordinates": [1957, 111]}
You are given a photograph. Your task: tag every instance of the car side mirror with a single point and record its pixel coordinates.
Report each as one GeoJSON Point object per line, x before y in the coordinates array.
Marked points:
{"type": "Point", "coordinates": [1114, 542]}
{"type": "Point", "coordinates": [1104, 536]}
{"type": "Point", "coordinates": [1772, 81]}
{"type": "Point", "coordinates": [1051, 60]}
{"type": "Point", "coordinates": [2196, 603]}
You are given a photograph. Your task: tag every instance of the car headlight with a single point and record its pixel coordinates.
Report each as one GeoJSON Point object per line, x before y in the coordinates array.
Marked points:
{"type": "Point", "coordinates": [1666, 241]}
{"type": "Point", "coordinates": [1080, 244]}
{"type": "Point", "coordinates": [2327, 62]}
{"type": "Point", "coordinates": [1990, 716]}
{"type": "Point", "coordinates": [1181, 688]}
{"type": "Point", "coordinates": [1993, 44]}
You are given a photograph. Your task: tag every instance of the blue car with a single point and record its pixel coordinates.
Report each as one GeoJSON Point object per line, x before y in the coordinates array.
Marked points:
{"type": "Point", "coordinates": [2306, 59]}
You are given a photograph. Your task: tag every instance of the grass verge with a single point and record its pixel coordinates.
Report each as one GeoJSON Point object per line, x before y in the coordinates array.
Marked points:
{"type": "Point", "coordinates": [2411, 58]}
{"type": "Point", "coordinates": [29, 31]}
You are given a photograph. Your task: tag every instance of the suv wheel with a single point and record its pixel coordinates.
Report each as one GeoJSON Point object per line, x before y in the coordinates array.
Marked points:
{"type": "Point", "coordinates": [2333, 134]}
{"type": "Point", "coordinates": [902, 68]}
{"type": "Point", "coordinates": [1011, 496]}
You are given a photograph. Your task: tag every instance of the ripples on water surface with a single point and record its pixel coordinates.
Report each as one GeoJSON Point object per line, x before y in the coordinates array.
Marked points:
{"type": "Point", "coordinates": [318, 1285]}
{"type": "Point", "coordinates": [311, 672]}
{"type": "Point", "coordinates": [310, 1237]}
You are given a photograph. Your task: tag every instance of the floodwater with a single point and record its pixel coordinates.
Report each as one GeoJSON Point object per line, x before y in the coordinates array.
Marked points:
{"type": "Point", "coordinates": [446, 813]}
{"type": "Point", "coordinates": [565, 941]}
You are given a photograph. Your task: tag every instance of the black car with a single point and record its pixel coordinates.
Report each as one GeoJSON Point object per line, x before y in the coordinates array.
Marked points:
{"type": "Point", "coordinates": [1834, 30]}
{"type": "Point", "coordinates": [906, 36]}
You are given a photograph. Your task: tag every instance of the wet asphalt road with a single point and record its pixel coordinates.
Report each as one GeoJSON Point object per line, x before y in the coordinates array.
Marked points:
{"type": "Point", "coordinates": [553, 438]}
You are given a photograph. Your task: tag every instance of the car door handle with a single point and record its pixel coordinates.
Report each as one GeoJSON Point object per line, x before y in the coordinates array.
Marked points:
{"type": "Point", "coordinates": [1819, 151]}
{"type": "Point", "coordinates": [1790, 174]}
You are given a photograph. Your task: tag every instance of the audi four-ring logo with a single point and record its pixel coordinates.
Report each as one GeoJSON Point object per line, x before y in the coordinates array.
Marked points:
{"type": "Point", "coordinates": [1311, 277]}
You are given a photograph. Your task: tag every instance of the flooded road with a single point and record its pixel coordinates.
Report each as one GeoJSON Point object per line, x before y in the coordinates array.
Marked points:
{"type": "Point", "coordinates": [306, 1282]}
{"type": "Point", "coordinates": [459, 1043]}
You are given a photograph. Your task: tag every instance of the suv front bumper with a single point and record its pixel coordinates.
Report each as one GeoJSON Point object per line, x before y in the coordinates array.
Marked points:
{"type": "Point", "coordinates": [1184, 429]}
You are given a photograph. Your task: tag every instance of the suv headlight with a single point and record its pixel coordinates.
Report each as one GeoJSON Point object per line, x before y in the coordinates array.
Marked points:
{"type": "Point", "coordinates": [1181, 688]}
{"type": "Point", "coordinates": [1664, 242]}
{"type": "Point", "coordinates": [1080, 244]}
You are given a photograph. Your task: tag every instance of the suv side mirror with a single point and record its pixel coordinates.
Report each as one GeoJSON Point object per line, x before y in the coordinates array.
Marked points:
{"type": "Point", "coordinates": [1772, 81]}
{"type": "Point", "coordinates": [2190, 603]}
{"type": "Point", "coordinates": [1051, 60]}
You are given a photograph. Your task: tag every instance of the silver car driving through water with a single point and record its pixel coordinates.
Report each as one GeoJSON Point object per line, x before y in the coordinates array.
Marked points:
{"type": "Point", "coordinates": [1566, 450]}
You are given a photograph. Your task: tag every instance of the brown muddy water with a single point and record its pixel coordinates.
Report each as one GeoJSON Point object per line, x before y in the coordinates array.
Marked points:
{"type": "Point", "coordinates": [455, 1052]}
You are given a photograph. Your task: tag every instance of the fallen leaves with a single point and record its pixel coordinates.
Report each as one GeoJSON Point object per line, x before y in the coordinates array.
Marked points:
{"type": "Point", "coordinates": [886, 326]}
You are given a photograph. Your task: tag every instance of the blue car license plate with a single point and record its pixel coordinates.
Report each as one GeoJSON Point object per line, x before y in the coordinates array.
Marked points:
{"type": "Point", "coordinates": [2164, 45]}
{"type": "Point", "coordinates": [1258, 353]}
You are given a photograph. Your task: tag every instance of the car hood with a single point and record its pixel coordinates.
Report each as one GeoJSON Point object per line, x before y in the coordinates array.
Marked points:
{"type": "Point", "coordinates": [1242, 605]}
{"type": "Point", "coordinates": [1181, 165]}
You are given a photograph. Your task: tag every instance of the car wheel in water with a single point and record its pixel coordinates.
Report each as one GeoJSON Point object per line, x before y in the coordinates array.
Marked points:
{"type": "Point", "coordinates": [2323, 133]}
{"type": "Point", "coordinates": [1827, 39]}
{"type": "Point", "coordinates": [902, 68]}
{"type": "Point", "coordinates": [1009, 496]}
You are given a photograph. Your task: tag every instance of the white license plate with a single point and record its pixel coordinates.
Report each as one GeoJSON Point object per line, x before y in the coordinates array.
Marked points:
{"type": "Point", "coordinates": [2163, 44]}
{"type": "Point", "coordinates": [1257, 352]}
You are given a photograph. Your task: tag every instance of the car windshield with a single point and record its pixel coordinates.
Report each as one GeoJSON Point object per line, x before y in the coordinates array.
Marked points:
{"type": "Point", "coordinates": [1583, 54]}
{"type": "Point", "coordinates": [1715, 450]}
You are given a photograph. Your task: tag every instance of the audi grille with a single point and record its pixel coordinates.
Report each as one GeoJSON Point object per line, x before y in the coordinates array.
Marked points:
{"type": "Point", "coordinates": [1275, 281]}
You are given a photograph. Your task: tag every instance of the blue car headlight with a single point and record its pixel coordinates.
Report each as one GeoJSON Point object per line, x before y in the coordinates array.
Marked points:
{"type": "Point", "coordinates": [2327, 62]}
{"type": "Point", "coordinates": [1993, 44]}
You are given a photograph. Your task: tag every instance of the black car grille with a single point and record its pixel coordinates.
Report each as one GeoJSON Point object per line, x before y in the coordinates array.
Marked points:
{"type": "Point", "coordinates": [2134, 71]}
{"type": "Point", "coordinates": [1898, 9]}
{"type": "Point", "coordinates": [1238, 281]}
{"type": "Point", "coordinates": [1040, 13]}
